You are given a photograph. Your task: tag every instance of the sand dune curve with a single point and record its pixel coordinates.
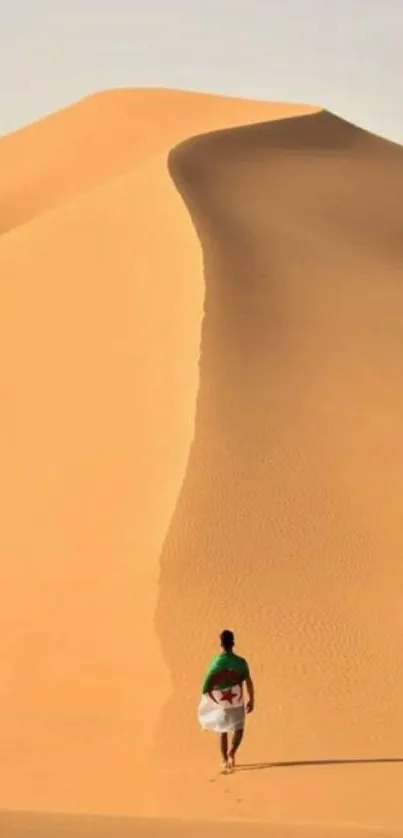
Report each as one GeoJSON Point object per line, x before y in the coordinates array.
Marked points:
{"type": "Point", "coordinates": [263, 464]}
{"type": "Point", "coordinates": [104, 135]}
{"type": "Point", "coordinates": [293, 487]}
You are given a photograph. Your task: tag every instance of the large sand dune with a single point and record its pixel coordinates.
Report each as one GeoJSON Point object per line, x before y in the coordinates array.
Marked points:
{"type": "Point", "coordinates": [163, 476]}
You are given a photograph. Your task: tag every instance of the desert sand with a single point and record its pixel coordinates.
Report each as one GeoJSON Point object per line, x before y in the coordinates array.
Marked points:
{"type": "Point", "coordinates": [201, 355]}
{"type": "Point", "coordinates": [105, 135]}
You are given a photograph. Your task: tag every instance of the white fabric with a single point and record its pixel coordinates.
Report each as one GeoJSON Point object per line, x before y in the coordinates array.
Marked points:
{"type": "Point", "coordinates": [222, 711]}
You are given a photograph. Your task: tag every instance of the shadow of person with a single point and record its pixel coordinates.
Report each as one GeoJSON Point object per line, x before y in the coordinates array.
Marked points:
{"type": "Point", "coordinates": [261, 766]}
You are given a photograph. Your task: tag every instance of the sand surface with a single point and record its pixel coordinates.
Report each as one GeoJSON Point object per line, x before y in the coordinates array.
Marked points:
{"type": "Point", "coordinates": [201, 343]}
{"type": "Point", "coordinates": [31, 825]}
{"type": "Point", "coordinates": [107, 134]}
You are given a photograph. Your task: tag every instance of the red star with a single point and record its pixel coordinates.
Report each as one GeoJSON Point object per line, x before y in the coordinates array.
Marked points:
{"type": "Point", "coordinates": [226, 675]}
{"type": "Point", "coordinates": [227, 695]}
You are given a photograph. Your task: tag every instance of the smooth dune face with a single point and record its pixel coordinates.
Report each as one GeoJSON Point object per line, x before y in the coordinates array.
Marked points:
{"type": "Point", "coordinates": [99, 382]}
{"type": "Point", "coordinates": [101, 305]}
{"type": "Point", "coordinates": [294, 487]}
{"type": "Point", "coordinates": [183, 452]}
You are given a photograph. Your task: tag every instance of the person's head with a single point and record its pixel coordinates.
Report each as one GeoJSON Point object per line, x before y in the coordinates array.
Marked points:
{"type": "Point", "coordinates": [227, 640]}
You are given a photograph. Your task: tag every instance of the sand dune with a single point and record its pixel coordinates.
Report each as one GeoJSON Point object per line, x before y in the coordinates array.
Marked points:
{"type": "Point", "coordinates": [164, 476]}
{"type": "Point", "coordinates": [101, 308]}
{"type": "Point", "coordinates": [104, 135]}
{"type": "Point", "coordinates": [293, 485]}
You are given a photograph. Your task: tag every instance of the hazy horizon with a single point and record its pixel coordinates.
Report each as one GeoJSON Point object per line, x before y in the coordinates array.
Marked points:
{"type": "Point", "coordinates": [346, 59]}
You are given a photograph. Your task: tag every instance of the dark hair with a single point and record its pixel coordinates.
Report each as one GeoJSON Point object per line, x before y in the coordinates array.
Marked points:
{"type": "Point", "coordinates": [227, 639]}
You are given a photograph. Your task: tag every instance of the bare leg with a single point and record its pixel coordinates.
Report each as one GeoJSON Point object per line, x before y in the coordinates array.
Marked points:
{"type": "Point", "coordinates": [236, 741]}
{"type": "Point", "coordinates": [224, 749]}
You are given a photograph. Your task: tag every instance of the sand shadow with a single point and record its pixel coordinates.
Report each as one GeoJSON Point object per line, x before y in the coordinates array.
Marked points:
{"type": "Point", "coordinates": [261, 766]}
{"type": "Point", "coordinates": [239, 529]}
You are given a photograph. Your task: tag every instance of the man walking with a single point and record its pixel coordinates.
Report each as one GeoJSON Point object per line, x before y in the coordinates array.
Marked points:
{"type": "Point", "coordinates": [223, 699]}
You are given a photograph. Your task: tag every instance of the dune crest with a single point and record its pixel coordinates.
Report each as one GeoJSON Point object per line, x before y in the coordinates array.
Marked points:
{"type": "Point", "coordinates": [182, 451]}
{"type": "Point", "coordinates": [293, 487]}
{"type": "Point", "coordinates": [105, 135]}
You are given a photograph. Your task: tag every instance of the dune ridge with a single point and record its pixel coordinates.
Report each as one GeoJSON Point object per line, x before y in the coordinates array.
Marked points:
{"type": "Point", "coordinates": [296, 430]}
{"type": "Point", "coordinates": [238, 420]}
{"type": "Point", "coordinates": [104, 135]}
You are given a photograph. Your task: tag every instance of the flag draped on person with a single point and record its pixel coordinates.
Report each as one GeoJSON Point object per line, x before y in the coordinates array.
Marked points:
{"type": "Point", "coordinates": [222, 707]}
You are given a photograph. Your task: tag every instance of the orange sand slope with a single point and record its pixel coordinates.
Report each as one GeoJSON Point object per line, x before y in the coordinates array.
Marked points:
{"type": "Point", "coordinates": [105, 135]}
{"type": "Point", "coordinates": [61, 826]}
{"type": "Point", "coordinates": [163, 477]}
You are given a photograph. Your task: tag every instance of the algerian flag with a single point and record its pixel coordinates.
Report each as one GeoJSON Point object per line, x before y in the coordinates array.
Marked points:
{"type": "Point", "coordinates": [220, 710]}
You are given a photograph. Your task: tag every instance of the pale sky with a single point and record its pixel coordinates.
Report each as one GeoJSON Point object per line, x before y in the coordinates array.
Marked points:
{"type": "Point", "coordinates": [346, 55]}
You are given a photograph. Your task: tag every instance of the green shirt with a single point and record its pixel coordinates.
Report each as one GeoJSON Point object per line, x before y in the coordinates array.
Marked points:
{"type": "Point", "coordinates": [225, 670]}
